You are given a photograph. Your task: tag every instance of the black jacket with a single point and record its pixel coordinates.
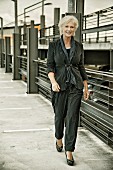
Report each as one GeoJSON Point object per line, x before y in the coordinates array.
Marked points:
{"type": "Point", "coordinates": [59, 63]}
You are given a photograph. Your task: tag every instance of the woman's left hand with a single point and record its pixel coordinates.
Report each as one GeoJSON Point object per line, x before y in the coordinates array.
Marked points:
{"type": "Point", "coordinates": [86, 94]}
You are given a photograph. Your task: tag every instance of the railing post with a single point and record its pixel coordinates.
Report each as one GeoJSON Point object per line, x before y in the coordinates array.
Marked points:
{"type": "Point", "coordinates": [7, 57]}
{"type": "Point", "coordinates": [97, 40]}
{"type": "Point", "coordinates": [16, 53]}
{"type": "Point", "coordinates": [89, 40]}
{"type": "Point", "coordinates": [32, 54]}
{"type": "Point", "coordinates": [110, 93]}
{"type": "Point", "coordinates": [105, 39]}
{"type": "Point", "coordinates": [111, 60]}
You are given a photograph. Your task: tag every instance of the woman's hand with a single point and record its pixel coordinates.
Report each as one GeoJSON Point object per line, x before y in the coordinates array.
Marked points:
{"type": "Point", "coordinates": [86, 94]}
{"type": "Point", "coordinates": [55, 87]}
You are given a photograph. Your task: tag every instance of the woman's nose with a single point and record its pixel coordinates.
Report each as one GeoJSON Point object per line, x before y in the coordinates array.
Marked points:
{"type": "Point", "coordinates": [68, 28]}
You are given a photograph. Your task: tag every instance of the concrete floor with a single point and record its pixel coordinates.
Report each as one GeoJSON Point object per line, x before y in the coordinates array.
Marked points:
{"type": "Point", "coordinates": [32, 145]}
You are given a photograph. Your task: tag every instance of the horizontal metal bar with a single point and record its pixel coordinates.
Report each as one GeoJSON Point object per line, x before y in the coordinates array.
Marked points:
{"type": "Point", "coordinates": [43, 83]}
{"type": "Point", "coordinates": [97, 110]}
{"type": "Point", "coordinates": [94, 126]}
{"type": "Point", "coordinates": [23, 72]}
{"type": "Point", "coordinates": [23, 57]}
{"type": "Point", "coordinates": [103, 138]}
{"type": "Point", "coordinates": [98, 29]}
{"type": "Point", "coordinates": [97, 119]}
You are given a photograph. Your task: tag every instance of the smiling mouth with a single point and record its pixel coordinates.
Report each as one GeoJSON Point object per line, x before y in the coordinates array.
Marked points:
{"type": "Point", "coordinates": [68, 32]}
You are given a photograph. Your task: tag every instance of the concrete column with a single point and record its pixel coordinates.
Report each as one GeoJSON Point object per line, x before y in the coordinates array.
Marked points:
{"type": "Point", "coordinates": [32, 54]}
{"type": "Point", "coordinates": [56, 15]}
{"type": "Point", "coordinates": [1, 53]}
{"type": "Point", "coordinates": [42, 33]}
{"type": "Point", "coordinates": [1, 27]}
{"type": "Point", "coordinates": [16, 53]}
{"type": "Point", "coordinates": [8, 59]}
{"type": "Point", "coordinates": [78, 34]}
{"type": "Point", "coordinates": [80, 10]}
{"type": "Point", "coordinates": [56, 21]}
{"type": "Point", "coordinates": [32, 23]}
{"type": "Point", "coordinates": [16, 15]}
{"type": "Point", "coordinates": [24, 35]}
{"type": "Point", "coordinates": [80, 6]}
{"type": "Point", "coordinates": [42, 21]}
{"type": "Point", "coordinates": [71, 6]}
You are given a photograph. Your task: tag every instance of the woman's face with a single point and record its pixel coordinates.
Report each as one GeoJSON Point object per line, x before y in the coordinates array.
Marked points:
{"type": "Point", "coordinates": [69, 29]}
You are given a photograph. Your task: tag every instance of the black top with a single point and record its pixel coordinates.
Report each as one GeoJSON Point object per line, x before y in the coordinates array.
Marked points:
{"type": "Point", "coordinates": [68, 51]}
{"type": "Point", "coordinates": [70, 77]}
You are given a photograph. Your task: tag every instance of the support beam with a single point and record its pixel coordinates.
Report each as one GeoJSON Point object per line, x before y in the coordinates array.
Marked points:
{"type": "Point", "coordinates": [80, 6]}
{"type": "Point", "coordinates": [56, 20]}
{"type": "Point", "coordinates": [2, 53]}
{"type": "Point", "coordinates": [71, 6]}
{"type": "Point", "coordinates": [8, 59]}
{"type": "Point", "coordinates": [16, 15]}
{"type": "Point", "coordinates": [16, 53]}
{"type": "Point", "coordinates": [32, 54]}
{"type": "Point", "coordinates": [56, 15]}
{"type": "Point", "coordinates": [80, 10]}
{"type": "Point", "coordinates": [1, 27]}
{"type": "Point", "coordinates": [42, 32]}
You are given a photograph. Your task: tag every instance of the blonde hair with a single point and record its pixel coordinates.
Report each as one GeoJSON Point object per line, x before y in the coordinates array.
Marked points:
{"type": "Point", "coordinates": [65, 20]}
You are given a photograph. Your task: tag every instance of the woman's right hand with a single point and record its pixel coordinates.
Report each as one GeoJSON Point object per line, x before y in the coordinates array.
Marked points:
{"type": "Point", "coordinates": [55, 87]}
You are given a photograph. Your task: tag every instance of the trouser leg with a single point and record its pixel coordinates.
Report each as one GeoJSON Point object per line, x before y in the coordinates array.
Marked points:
{"type": "Point", "coordinates": [60, 112]}
{"type": "Point", "coordinates": [72, 117]}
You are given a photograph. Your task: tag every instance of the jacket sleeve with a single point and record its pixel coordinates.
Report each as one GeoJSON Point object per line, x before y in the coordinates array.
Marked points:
{"type": "Point", "coordinates": [81, 65]}
{"type": "Point", "coordinates": [50, 58]}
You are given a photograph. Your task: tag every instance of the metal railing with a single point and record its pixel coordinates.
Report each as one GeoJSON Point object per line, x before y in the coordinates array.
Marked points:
{"type": "Point", "coordinates": [10, 63]}
{"type": "Point", "coordinates": [42, 80]}
{"type": "Point", "coordinates": [23, 67]}
{"type": "Point", "coordinates": [50, 34]}
{"type": "Point", "coordinates": [97, 27]}
{"type": "Point", "coordinates": [97, 113]}
{"type": "Point", "coordinates": [102, 87]}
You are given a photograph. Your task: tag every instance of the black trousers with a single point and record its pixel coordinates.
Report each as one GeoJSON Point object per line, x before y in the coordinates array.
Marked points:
{"type": "Point", "coordinates": [66, 106]}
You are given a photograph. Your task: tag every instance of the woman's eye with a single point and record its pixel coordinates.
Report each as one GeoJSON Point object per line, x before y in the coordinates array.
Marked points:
{"type": "Point", "coordinates": [69, 27]}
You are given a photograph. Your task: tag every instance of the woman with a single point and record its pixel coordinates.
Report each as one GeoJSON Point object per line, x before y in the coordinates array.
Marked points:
{"type": "Point", "coordinates": [68, 77]}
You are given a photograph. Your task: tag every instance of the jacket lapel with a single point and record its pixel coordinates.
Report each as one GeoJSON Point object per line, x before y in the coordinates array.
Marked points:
{"type": "Point", "coordinates": [63, 47]}
{"type": "Point", "coordinates": [72, 50]}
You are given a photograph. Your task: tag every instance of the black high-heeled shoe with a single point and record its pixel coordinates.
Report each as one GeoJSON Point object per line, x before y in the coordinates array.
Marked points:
{"type": "Point", "coordinates": [70, 162]}
{"type": "Point", "coordinates": [59, 148]}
